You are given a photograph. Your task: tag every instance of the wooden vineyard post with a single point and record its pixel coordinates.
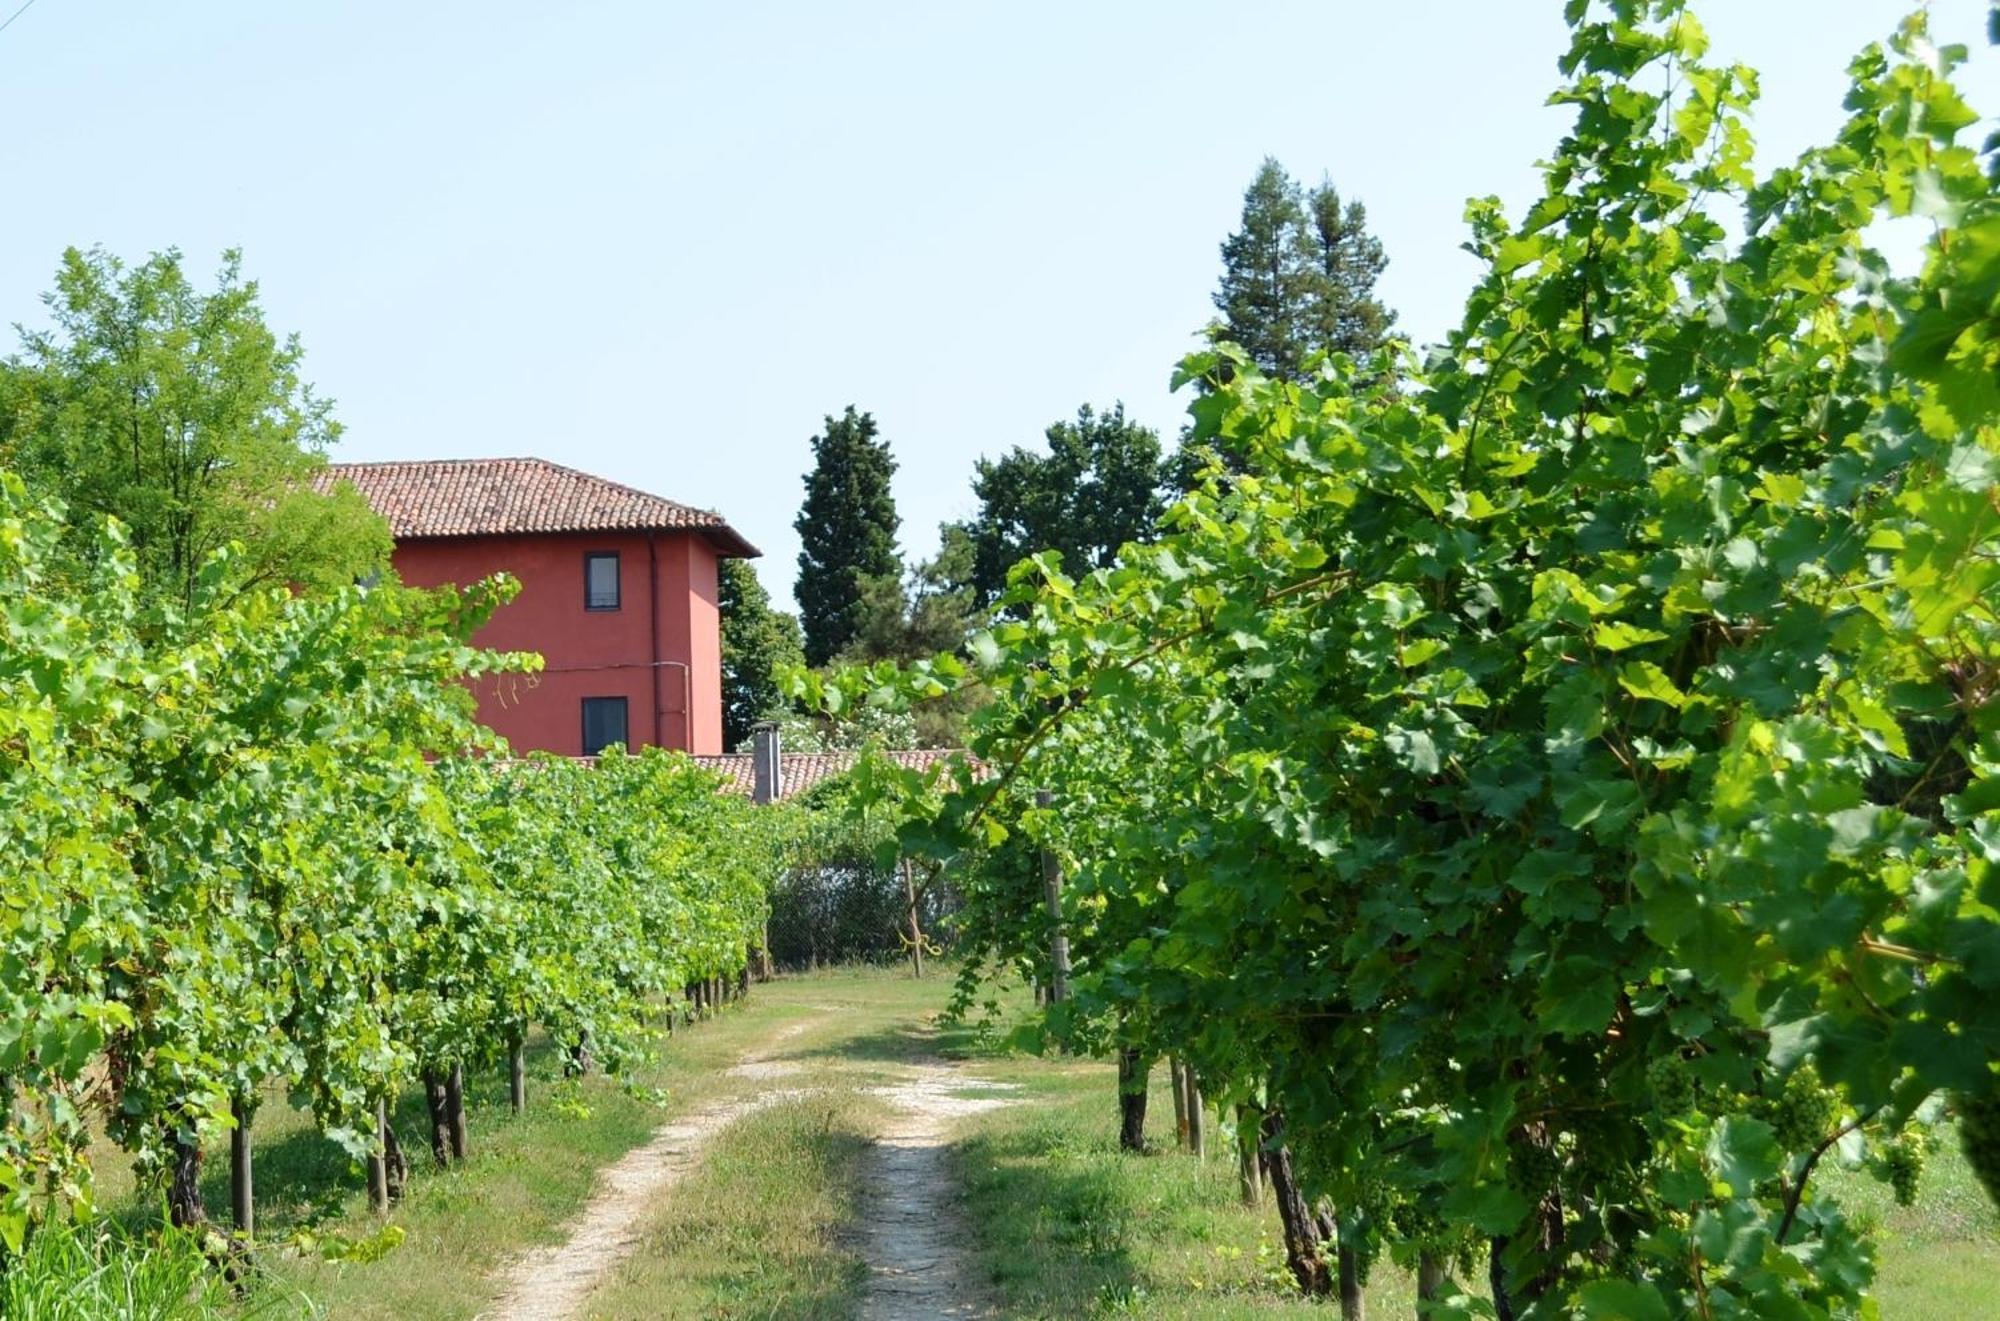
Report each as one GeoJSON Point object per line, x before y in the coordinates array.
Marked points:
{"type": "Point", "coordinates": [1058, 936]}
{"type": "Point", "coordinates": [454, 1101]}
{"type": "Point", "coordinates": [517, 1076]}
{"type": "Point", "coordinates": [916, 927]}
{"type": "Point", "coordinates": [1177, 1078]}
{"type": "Point", "coordinates": [1197, 1135]}
{"type": "Point", "coordinates": [242, 1194]}
{"type": "Point", "coordinates": [1353, 1301]}
{"type": "Point", "coordinates": [1249, 1161]}
{"type": "Point", "coordinates": [378, 1164]}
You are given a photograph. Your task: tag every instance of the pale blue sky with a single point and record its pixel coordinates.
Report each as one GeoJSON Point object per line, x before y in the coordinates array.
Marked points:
{"type": "Point", "coordinates": [661, 241]}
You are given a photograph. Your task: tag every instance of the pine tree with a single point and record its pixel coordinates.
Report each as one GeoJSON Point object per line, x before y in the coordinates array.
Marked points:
{"type": "Point", "coordinates": [1341, 313]}
{"type": "Point", "coordinates": [847, 530]}
{"type": "Point", "coordinates": [1266, 270]}
{"type": "Point", "coordinates": [1298, 275]}
{"type": "Point", "coordinates": [1298, 279]}
{"type": "Point", "coordinates": [756, 641]}
{"type": "Point", "coordinates": [931, 610]}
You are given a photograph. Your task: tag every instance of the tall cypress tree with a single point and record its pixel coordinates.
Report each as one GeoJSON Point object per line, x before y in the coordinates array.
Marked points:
{"type": "Point", "coordinates": [847, 531]}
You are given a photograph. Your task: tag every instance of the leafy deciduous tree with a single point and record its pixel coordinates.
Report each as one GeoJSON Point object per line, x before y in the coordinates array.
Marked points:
{"type": "Point", "coordinates": [1097, 488]}
{"type": "Point", "coordinates": [756, 642]}
{"type": "Point", "coordinates": [184, 415]}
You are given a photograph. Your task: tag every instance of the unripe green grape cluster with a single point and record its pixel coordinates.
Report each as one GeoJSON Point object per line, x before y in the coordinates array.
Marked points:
{"type": "Point", "coordinates": [1414, 1222]}
{"type": "Point", "coordinates": [1374, 1197]}
{"type": "Point", "coordinates": [1804, 1113]}
{"type": "Point", "coordinates": [1433, 1055]}
{"type": "Point", "coordinates": [1901, 1162]}
{"type": "Point", "coordinates": [1535, 1167]}
{"type": "Point", "coordinates": [1600, 1163]}
{"type": "Point", "coordinates": [1670, 1084]}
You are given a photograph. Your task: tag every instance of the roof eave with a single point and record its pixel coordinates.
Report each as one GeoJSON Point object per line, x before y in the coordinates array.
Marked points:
{"type": "Point", "coordinates": [726, 540]}
{"type": "Point", "coordinates": [730, 543]}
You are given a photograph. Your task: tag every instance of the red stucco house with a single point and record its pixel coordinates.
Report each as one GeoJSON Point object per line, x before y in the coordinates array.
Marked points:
{"type": "Point", "coordinates": [618, 594]}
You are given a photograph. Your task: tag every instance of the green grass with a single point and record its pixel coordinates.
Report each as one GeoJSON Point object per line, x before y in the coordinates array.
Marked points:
{"type": "Point", "coordinates": [1074, 1227]}
{"type": "Point", "coordinates": [98, 1272]}
{"type": "Point", "coordinates": [522, 1182]}
{"type": "Point", "coordinates": [765, 1226]}
{"type": "Point", "coordinates": [1939, 1258]}
{"type": "Point", "coordinates": [758, 1230]}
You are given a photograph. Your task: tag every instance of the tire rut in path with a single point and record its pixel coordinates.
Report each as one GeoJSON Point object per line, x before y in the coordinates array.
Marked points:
{"type": "Point", "coordinates": [913, 1231]}
{"type": "Point", "coordinates": [551, 1283]}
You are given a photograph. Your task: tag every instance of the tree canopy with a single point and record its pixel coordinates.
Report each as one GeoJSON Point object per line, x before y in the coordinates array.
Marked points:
{"type": "Point", "coordinates": [757, 643]}
{"type": "Point", "coordinates": [1298, 275]}
{"type": "Point", "coordinates": [1098, 487]}
{"type": "Point", "coordinates": [184, 415]}
{"type": "Point", "coordinates": [847, 531]}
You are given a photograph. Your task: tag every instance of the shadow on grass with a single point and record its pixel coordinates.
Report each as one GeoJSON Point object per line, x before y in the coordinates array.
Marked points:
{"type": "Point", "coordinates": [1054, 1223]}
{"type": "Point", "coordinates": [303, 1178]}
{"type": "Point", "coordinates": [900, 1044]}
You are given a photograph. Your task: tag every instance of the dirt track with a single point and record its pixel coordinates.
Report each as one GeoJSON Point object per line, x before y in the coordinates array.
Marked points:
{"type": "Point", "coordinates": [913, 1233]}
{"type": "Point", "coordinates": [551, 1283]}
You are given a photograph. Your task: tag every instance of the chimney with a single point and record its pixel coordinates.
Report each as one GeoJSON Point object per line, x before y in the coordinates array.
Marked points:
{"type": "Point", "coordinates": [764, 777]}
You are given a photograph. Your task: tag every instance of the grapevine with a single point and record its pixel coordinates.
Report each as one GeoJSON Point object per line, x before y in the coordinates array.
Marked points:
{"type": "Point", "coordinates": [1564, 762]}
{"type": "Point", "coordinates": [258, 845]}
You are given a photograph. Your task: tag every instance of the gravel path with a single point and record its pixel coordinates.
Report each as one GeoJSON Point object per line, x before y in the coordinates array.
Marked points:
{"type": "Point", "coordinates": [551, 1283]}
{"type": "Point", "coordinates": [913, 1231]}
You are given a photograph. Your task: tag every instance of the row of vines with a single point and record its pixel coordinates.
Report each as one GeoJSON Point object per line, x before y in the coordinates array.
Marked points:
{"type": "Point", "coordinates": [258, 848]}
{"type": "Point", "coordinates": [1549, 791]}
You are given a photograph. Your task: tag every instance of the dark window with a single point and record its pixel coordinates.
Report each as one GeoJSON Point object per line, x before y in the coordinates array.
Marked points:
{"type": "Point", "coordinates": [600, 580]}
{"type": "Point", "coordinates": [603, 724]}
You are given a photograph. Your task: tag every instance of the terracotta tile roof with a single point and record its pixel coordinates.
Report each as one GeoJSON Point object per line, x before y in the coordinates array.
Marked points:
{"type": "Point", "coordinates": [801, 771]}
{"type": "Point", "coordinates": [485, 497]}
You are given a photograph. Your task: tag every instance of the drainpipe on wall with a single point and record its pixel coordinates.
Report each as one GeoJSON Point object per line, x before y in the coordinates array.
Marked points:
{"type": "Point", "coordinates": [653, 623]}
{"type": "Point", "coordinates": [764, 766]}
